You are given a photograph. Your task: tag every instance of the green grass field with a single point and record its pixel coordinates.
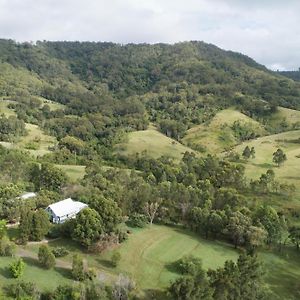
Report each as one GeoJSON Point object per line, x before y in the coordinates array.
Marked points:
{"type": "Point", "coordinates": [147, 257]}
{"type": "Point", "coordinates": [290, 116]}
{"type": "Point", "coordinates": [53, 105]}
{"type": "Point", "coordinates": [44, 279]}
{"type": "Point", "coordinates": [4, 109]}
{"type": "Point", "coordinates": [154, 143]}
{"type": "Point", "coordinates": [289, 172]}
{"type": "Point", "coordinates": [149, 252]}
{"type": "Point", "coordinates": [217, 136]}
{"type": "Point", "coordinates": [35, 137]}
{"type": "Point", "coordinates": [35, 134]}
{"type": "Point", "coordinates": [74, 172]}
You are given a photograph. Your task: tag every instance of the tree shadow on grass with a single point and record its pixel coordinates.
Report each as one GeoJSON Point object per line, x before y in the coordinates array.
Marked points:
{"type": "Point", "coordinates": [105, 263]}
{"type": "Point", "coordinates": [283, 282]}
{"type": "Point", "coordinates": [35, 263]}
{"type": "Point", "coordinates": [156, 295]}
{"type": "Point", "coordinates": [213, 243]}
{"type": "Point", "coordinates": [264, 165]}
{"type": "Point", "coordinates": [66, 243]}
{"type": "Point", "coordinates": [292, 177]}
{"type": "Point", "coordinates": [64, 272]}
{"type": "Point", "coordinates": [172, 267]}
{"type": "Point", "coordinates": [31, 261]}
{"type": "Point", "coordinates": [5, 273]}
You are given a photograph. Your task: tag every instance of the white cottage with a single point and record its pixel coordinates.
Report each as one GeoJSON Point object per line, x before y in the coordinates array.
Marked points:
{"type": "Point", "coordinates": [64, 210]}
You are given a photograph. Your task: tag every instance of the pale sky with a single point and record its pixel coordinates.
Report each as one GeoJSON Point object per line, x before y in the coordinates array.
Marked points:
{"type": "Point", "coordinates": [266, 30]}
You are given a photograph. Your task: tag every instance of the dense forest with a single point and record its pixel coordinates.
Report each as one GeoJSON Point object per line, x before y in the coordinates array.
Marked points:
{"type": "Point", "coordinates": [88, 97]}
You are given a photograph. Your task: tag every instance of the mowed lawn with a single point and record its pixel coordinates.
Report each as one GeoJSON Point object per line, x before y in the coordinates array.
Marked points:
{"type": "Point", "coordinates": [44, 279]}
{"type": "Point", "coordinates": [148, 254]}
{"type": "Point", "coordinates": [147, 257]}
{"type": "Point", "coordinates": [289, 172]}
{"type": "Point", "coordinates": [154, 143]}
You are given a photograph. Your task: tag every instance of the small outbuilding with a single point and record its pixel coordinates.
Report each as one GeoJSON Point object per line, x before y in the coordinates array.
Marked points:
{"type": "Point", "coordinates": [63, 210]}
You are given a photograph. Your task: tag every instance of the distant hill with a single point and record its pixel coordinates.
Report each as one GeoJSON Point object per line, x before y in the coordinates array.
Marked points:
{"type": "Point", "coordinates": [100, 93]}
{"type": "Point", "coordinates": [295, 75]}
{"type": "Point", "coordinates": [126, 70]}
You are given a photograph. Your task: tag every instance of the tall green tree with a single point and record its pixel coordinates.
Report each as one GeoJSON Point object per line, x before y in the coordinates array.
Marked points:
{"type": "Point", "coordinates": [237, 227]}
{"type": "Point", "coordinates": [40, 225]}
{"type": "Point", "coordinates": [246, 152]}
{"type": "Point", "coordinates": [17, 268]}
{"type": "Point", "coordinates": [108, 211]}
{"type": "Point", "coordinates": [269, 219]}
{"type": "Point", "coordinates": [88, 227]}
{"type": "Point", "coordinates": [46, 257]}
{"type": "Point", "coordinates": [48, 177]}
{"type": "Point", "coordinates": [78, 268]}
{"type": "Point", "coordinates": [240, 280]}
{"type": "Point", "coordinates": [33, 225]}
{"type": "Point", "coordinates": [279, 157]}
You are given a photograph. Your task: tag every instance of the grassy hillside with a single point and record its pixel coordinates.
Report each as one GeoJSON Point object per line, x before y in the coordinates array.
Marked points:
{"type": "Point", "coordinates": [4, 107]}
{"type": "Point", "coordinates": [74, 172]}
{"type": "Point", "coordinates": [284, 115]}
{"type": "Point", "coordinates": [154, 143]}
{"type": "Point", "coordinates": [147, 257]}
{"type": "Point", "coordinates": [289, 172]}
{"type": "Point", "coordinates": [217, 135]}
{"type": "Point", "coordinates": [36, 141]}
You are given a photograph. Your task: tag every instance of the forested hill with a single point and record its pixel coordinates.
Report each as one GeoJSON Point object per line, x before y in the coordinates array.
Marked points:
{"type": "Point", "coordinates": [186, 135]}
{"type": "Point", "coordinates": [173, 86]}
{"type": "Point", "coordinates": [137, 69]}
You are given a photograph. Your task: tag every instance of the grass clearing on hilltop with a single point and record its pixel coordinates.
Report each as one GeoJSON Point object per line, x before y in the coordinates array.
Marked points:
{"type": "Point", "coordinates": [217, 136]}
{"type": "Point", "coordinates": [74, 172]}
{"type": "Point", "coordinates": [36, 137]}
{"type": "Point", "coordinates": [4, 107]}
{"type": "Point", "coordinates": [290, 116]}
{"type": "Point", "coordinates": [154, 143]}
{"type": "Point", "coordinates": [36, 142]}
{"type": "Point", "coordinates": [289, 172]}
